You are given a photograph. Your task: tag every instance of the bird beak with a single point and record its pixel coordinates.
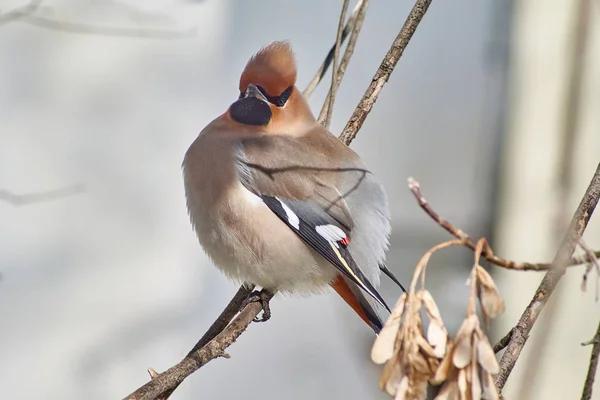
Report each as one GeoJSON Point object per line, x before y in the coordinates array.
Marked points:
{"type": "Point", "coordinates": [253, 91]}
{"type": "Point", "coordinates": [252, 109]}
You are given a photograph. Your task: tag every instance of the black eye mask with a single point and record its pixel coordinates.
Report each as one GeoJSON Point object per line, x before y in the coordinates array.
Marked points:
{"type": "Point", "coordinates": [278, 101]}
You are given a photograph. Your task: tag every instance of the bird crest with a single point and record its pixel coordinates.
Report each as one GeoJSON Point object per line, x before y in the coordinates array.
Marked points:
{"type": "Point", "coordinates": [273, 68]}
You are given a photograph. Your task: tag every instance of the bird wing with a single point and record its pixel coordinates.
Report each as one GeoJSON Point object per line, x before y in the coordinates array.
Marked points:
{"type": "Point", "coordinates": [300, 185]}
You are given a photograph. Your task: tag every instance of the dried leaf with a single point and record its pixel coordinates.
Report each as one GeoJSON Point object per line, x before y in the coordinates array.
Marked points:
{"type": "Point", "coordinates": [489, 388]}
{"type": "Point", "coordinates": [438, 337]}
{"type": "Point", "coordinates": [402, 389]}
{"type": "Point", "coordinates": [419, 363]}
{"type": "Point", "coordinates": [448, 392]}
{"type": "Point", "coordinates": [443, 370]}
{"type": "Point", "coordinates": [462, 352]}
{"type": "Point", "coordinates": [391, 376]}
{"type": "Point", "coordinates": [489, 297]}
{"type": "Point", "coordinates": [383, 348]}
{"type": "Point", "coordinates": [425, 347]}
{"type": "Point", "coordinates": [485, 355]}
{"type": "Point", "coordinates": [462, 383]}
{"type": "Point", "coordinates": [417, 390]}
{"type": "Point", "coordinates": [462, 347]}
{"type": "Point", "coordinates": [429, 304]}
{"type": "Point", "coordinates": [475, 383]}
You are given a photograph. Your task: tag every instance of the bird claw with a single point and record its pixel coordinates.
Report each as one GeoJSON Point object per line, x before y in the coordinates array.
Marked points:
{"type": "Point", "coordinates": [263, 297]}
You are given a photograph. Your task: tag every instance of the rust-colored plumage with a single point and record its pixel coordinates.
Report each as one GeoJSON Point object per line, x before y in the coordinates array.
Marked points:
{"type": "Point", "coordinates": [273, 67]}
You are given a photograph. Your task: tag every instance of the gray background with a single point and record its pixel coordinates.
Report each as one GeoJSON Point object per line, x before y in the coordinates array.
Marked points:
{"type": "Point", "coordinates": [99, 286]}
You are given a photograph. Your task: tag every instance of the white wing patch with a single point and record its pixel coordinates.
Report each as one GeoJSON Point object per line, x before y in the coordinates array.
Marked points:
{"type": "Point", "coordinates": [330, 233]}
{"type": "Point", "coordinates": [291, 216]}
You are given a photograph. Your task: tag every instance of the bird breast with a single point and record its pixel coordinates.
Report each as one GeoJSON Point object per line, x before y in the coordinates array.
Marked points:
{"type": "Point", "coordinates": [246, 240]}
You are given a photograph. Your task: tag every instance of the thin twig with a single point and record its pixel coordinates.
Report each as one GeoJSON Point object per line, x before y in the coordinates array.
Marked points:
{"type": "Point", "coordinates": [593, 264]}
{"type": "Point", "coordinates": [20, 12]}
{"type": "Point", "coordinates": [588, 386]}
{"type": "Point", "coordinates": [384, 71]}
{"type": "Point", "coordinates": [314, 82]}
{"type": "Point", "coordinates": [325, 119]}
{"type": "Point", "coordinates": [225, 318]}
{"type": "Point", "coordinates": [90, 29]}
{"type": "Point", "coordinates": [217, 327]}
{"type": "Point", "coordinates": [544, 291]}
{"type": "Point", "coordinates": [502, 343]}
{"type": "Point", "coordinates": [415, 188]}
{"type": "Point", "coordinates": [27, 14]}
{"type": "Point", "coordinates": [215, 348]}
{"type": "Point", "coordinates": [325, 114]}
{"type": "Point", "coordinates": [39, 197]}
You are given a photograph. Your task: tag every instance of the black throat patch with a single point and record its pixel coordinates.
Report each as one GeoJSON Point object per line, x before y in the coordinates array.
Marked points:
{"type": "Point", "coordinates": [251, 111]}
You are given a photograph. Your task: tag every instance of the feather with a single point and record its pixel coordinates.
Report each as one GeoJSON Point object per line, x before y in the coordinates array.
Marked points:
{"type": "Point", "coordinates": [302, 192]}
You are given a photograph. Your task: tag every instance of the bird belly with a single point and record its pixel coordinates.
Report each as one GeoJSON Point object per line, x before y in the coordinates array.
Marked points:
{"type": "Point", "coordinates": [249, 243]}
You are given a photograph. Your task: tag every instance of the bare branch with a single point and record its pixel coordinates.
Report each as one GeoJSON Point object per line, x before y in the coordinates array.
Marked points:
{"type": "Point", "coordinates": [215, 348]}
{"type": "Point", "coordinates": [334, 71]}
{"type": "Point", "coordinates": [20, 12]}
{"type": "Point", "coordinates": [588, 386]}
{"type": "Point", "coordinates": [502, 343]}
{"type": "Point", "coordinates": [384, 71]}
{"type": "Point", "coordinates": [325, 114]}
{"type": "Point", "coordinates": [468, 242]}
{"type": "Point", "coordinates": [592, 264]}
{"type": "Point", "coordinates": [314, 82]}
{"type": "Point", "coordinates": [217, 327]}
{"type": "Point", "coordinates": [544, 291]}
{"type": "Point", "coordinates": [40, 197]}
{"type": "Point", "coordinates": [27, 14]}
{"type": "Point", "coordinates": [88, 29]}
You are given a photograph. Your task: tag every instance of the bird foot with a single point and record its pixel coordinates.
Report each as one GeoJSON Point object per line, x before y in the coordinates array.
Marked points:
{"type": "Point", "coordinates": [263, 297]}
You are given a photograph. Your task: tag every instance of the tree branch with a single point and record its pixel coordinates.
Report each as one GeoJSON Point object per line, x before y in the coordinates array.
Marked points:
{"type": "Point", "coordinates": [502, 343]}
{"type": "Point", "coordinates": [325, 115]}
{"type": "Point", "coordinates": [588, 386]}
{"type": "Point", "coordinates": [326, 112]}
{"type": "Point", "coordinates": [561, 260]}
{"type": "Point", "coordinates": [20, 12]}
{"type": "Point", "coordinates": [592, 264]}
{"type": "Point", "coordinates": [39, 197]}
{"type": "Point", "coordinates": [215, 348]}
{"type": "Point", "coordinates": [314, 82]}
{"type": "Point", "coordinates": [384, 71]}
{"type": "Point", "coordinates": [27, 14]}
{"type": "Point", "coordinates": [89, 29]}
{"type": "Point", "coordinates": [234, 306]}
{"type": "Point", "coordinates": [415, 188]}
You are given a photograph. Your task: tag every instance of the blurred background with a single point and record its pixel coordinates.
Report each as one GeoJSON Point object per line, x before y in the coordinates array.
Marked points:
{"type": "Point", "coordinates": [493, 109]}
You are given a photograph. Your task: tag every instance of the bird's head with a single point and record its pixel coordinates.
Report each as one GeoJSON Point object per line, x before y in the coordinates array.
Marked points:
{"type": "Point", "coordinates": [268, 97]}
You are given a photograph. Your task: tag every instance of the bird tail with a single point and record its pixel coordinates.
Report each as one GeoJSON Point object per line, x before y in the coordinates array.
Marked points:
{"type": "Point", "coordinates": [354, 297]}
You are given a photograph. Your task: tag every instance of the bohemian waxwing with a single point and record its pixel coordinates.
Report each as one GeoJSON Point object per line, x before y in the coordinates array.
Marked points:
{"type": "Point", "coordinates": [278, 201]}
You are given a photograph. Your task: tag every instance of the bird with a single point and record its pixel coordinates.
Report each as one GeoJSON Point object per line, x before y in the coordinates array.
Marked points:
{"type": "Point", "coordinates": [277, 201]}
